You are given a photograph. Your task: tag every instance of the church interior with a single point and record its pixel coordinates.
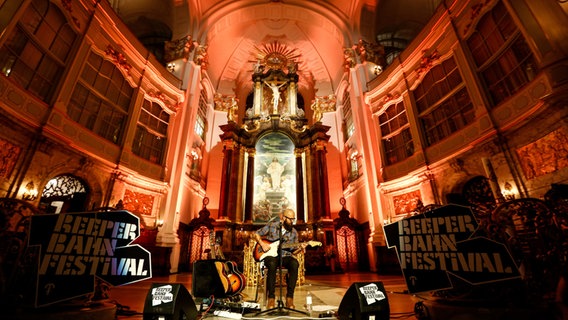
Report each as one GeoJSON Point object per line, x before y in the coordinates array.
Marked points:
{"type": "Point", "coordinates": [204, 119]}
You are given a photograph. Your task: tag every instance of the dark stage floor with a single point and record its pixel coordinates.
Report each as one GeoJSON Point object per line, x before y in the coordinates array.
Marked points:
{"type": "Point", "coordinates": [327, 293]}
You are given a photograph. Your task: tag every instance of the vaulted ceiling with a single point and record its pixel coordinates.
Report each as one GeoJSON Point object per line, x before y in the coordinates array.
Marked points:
{"type": "Point", "coordinates": [316, 30]}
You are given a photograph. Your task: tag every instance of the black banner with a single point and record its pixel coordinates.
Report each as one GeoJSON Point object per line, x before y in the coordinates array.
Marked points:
{"type": "Point", "coordinates": [432, 245]}
{"type": "Point", "coordinates": [77, 247]}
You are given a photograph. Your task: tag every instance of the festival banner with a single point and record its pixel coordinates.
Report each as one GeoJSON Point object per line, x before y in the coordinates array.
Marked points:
{"type": "Point", "coordinates": [77, 247]}
{"type": "Point", "coordinates": [439, 243]}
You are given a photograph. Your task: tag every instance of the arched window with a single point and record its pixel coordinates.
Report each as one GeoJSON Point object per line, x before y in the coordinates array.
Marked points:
{"type": "Point", "coordinates": [101, 99]}
{"type": "Point", "coordinates": [395, 133]}
{"type": "Point", "coordinates": [501, 54]}
{"type": "Point", "coordinates": [201, 118]}
{"type": "Point", "coordinates": [348, 124]}
{"type": "Point", "coordinates": [64, 193]}
{"type": "Point", "coordinates": [151, 132]}
{"type": "Point", "coordinates": [443, 102]}
{"type": "Point", "coordinates": [347, 248]}
{"type": "Point", "coordinates": [35, 53]}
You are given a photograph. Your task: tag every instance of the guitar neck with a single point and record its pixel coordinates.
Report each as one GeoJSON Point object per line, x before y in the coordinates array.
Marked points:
{"type": "Point", "coordinates": [291, 245]}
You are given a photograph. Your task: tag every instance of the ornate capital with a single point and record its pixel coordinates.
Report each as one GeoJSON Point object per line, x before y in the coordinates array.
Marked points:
{"type": "Point", "coordinates": [298, 152]}
{"type": "Point", "coordinates": [320, 145]}
{"type": "Point", "coordinates": [229, 144]}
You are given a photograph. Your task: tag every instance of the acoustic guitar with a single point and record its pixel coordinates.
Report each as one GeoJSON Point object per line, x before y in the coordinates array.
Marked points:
{"type": "Point", "coordinates": [233, 281]}
{"type": "Point", "coordinates": [260, 254]}
{"type": "Point", "coordinates": [219, 265]}
{"type": "Point", "coordinates": [236, 279]}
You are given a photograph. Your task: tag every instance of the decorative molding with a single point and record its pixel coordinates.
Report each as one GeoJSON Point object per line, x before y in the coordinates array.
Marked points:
{"type": "Point", "coordinates": [407, 202]}
{"type": "Point", "coordinates": [545, 155]}
{"type": "Point", "coordinates": [67, 6]}
{"type": "Point", "coordinates": [137, 202]}
{"type": "Point", "coordinates": [427, 61]}
{"type": "Point", "coordinates": [378, 105]}
{"type": "Point", "coordinates": [158, 95]}
{"type": "Point", "coordinates": [118, 58]}
{"type": "Point", "coordinates": [391, 96]}
{"type": "Point", "coordinates": [276, 56]}
{"type": "Point", "coordinates": [475, 11]}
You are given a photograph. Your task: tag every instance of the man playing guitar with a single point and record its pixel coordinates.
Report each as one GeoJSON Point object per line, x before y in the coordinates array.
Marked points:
{"type": "Point", "coordinates": [271, 231]}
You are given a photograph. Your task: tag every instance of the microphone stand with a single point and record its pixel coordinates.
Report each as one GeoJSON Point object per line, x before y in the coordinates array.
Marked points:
{"type": "Point", "coordinates": [280, 309]}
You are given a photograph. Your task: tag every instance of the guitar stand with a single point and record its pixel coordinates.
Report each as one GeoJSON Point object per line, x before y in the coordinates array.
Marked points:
{"type": "Point", "coordinates": [280, 309]}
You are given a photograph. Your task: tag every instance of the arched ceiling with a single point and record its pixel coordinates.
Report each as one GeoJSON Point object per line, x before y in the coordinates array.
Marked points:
{"type": "Point", "coordinates": [316, 30]}
{"type": "Point", "coordinates": [235, 33]}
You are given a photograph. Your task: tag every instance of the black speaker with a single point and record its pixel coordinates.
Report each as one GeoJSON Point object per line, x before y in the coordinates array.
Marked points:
{"type": "Point", "coordinates": [206, 279]}
{"type": "Point", "coordinates": [364, 300]}
{"type": "Point", "coordinates": [169, 301]}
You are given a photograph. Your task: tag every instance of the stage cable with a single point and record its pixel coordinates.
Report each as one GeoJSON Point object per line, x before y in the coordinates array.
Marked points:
{"type": "Point", "coordinates": [204, 313]}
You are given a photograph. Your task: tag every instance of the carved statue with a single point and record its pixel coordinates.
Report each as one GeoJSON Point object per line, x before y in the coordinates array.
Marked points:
{"type": "Point", "coordinates": [292, 67]}
{"type": "Point", "coordinates": [178, 49]}
{"type": "Point", "coordinates": [258, 67]}
{"type": "Point", "coordinates": [323, 104]}
{"type": "Point", "coordinates": [318, 110]}
{"type": "Point", "coordinates": [275, 94]}
{"type": "Point", "coordinates": [200, 57]}
{"type": "Point", "coordinates": [349, 56]}
{"type": "Point", "coordinates": [371, 52]}
{"type": "Point", "coordinates": [232, 110]}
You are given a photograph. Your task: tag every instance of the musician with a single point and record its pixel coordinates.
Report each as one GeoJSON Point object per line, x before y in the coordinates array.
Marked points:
{"type": "Point", "coordinates": [271, 232]}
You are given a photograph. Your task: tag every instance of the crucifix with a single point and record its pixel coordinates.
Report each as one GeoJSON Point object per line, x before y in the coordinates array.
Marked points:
{"type": "Point", "coordinates": [275, 86]}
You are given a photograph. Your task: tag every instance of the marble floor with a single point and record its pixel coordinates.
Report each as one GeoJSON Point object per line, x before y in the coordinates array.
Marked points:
{"type": "Point", "coordinates": [327, 293]}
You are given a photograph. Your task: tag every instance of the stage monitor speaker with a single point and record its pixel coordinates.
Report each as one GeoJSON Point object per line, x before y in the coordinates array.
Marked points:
{"type": "Point", "coordinates": [364, 300]}
{"type": "Point", "coordinates": [206, 280]}
{"type": "Point", "coordinates": [169, 301]}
